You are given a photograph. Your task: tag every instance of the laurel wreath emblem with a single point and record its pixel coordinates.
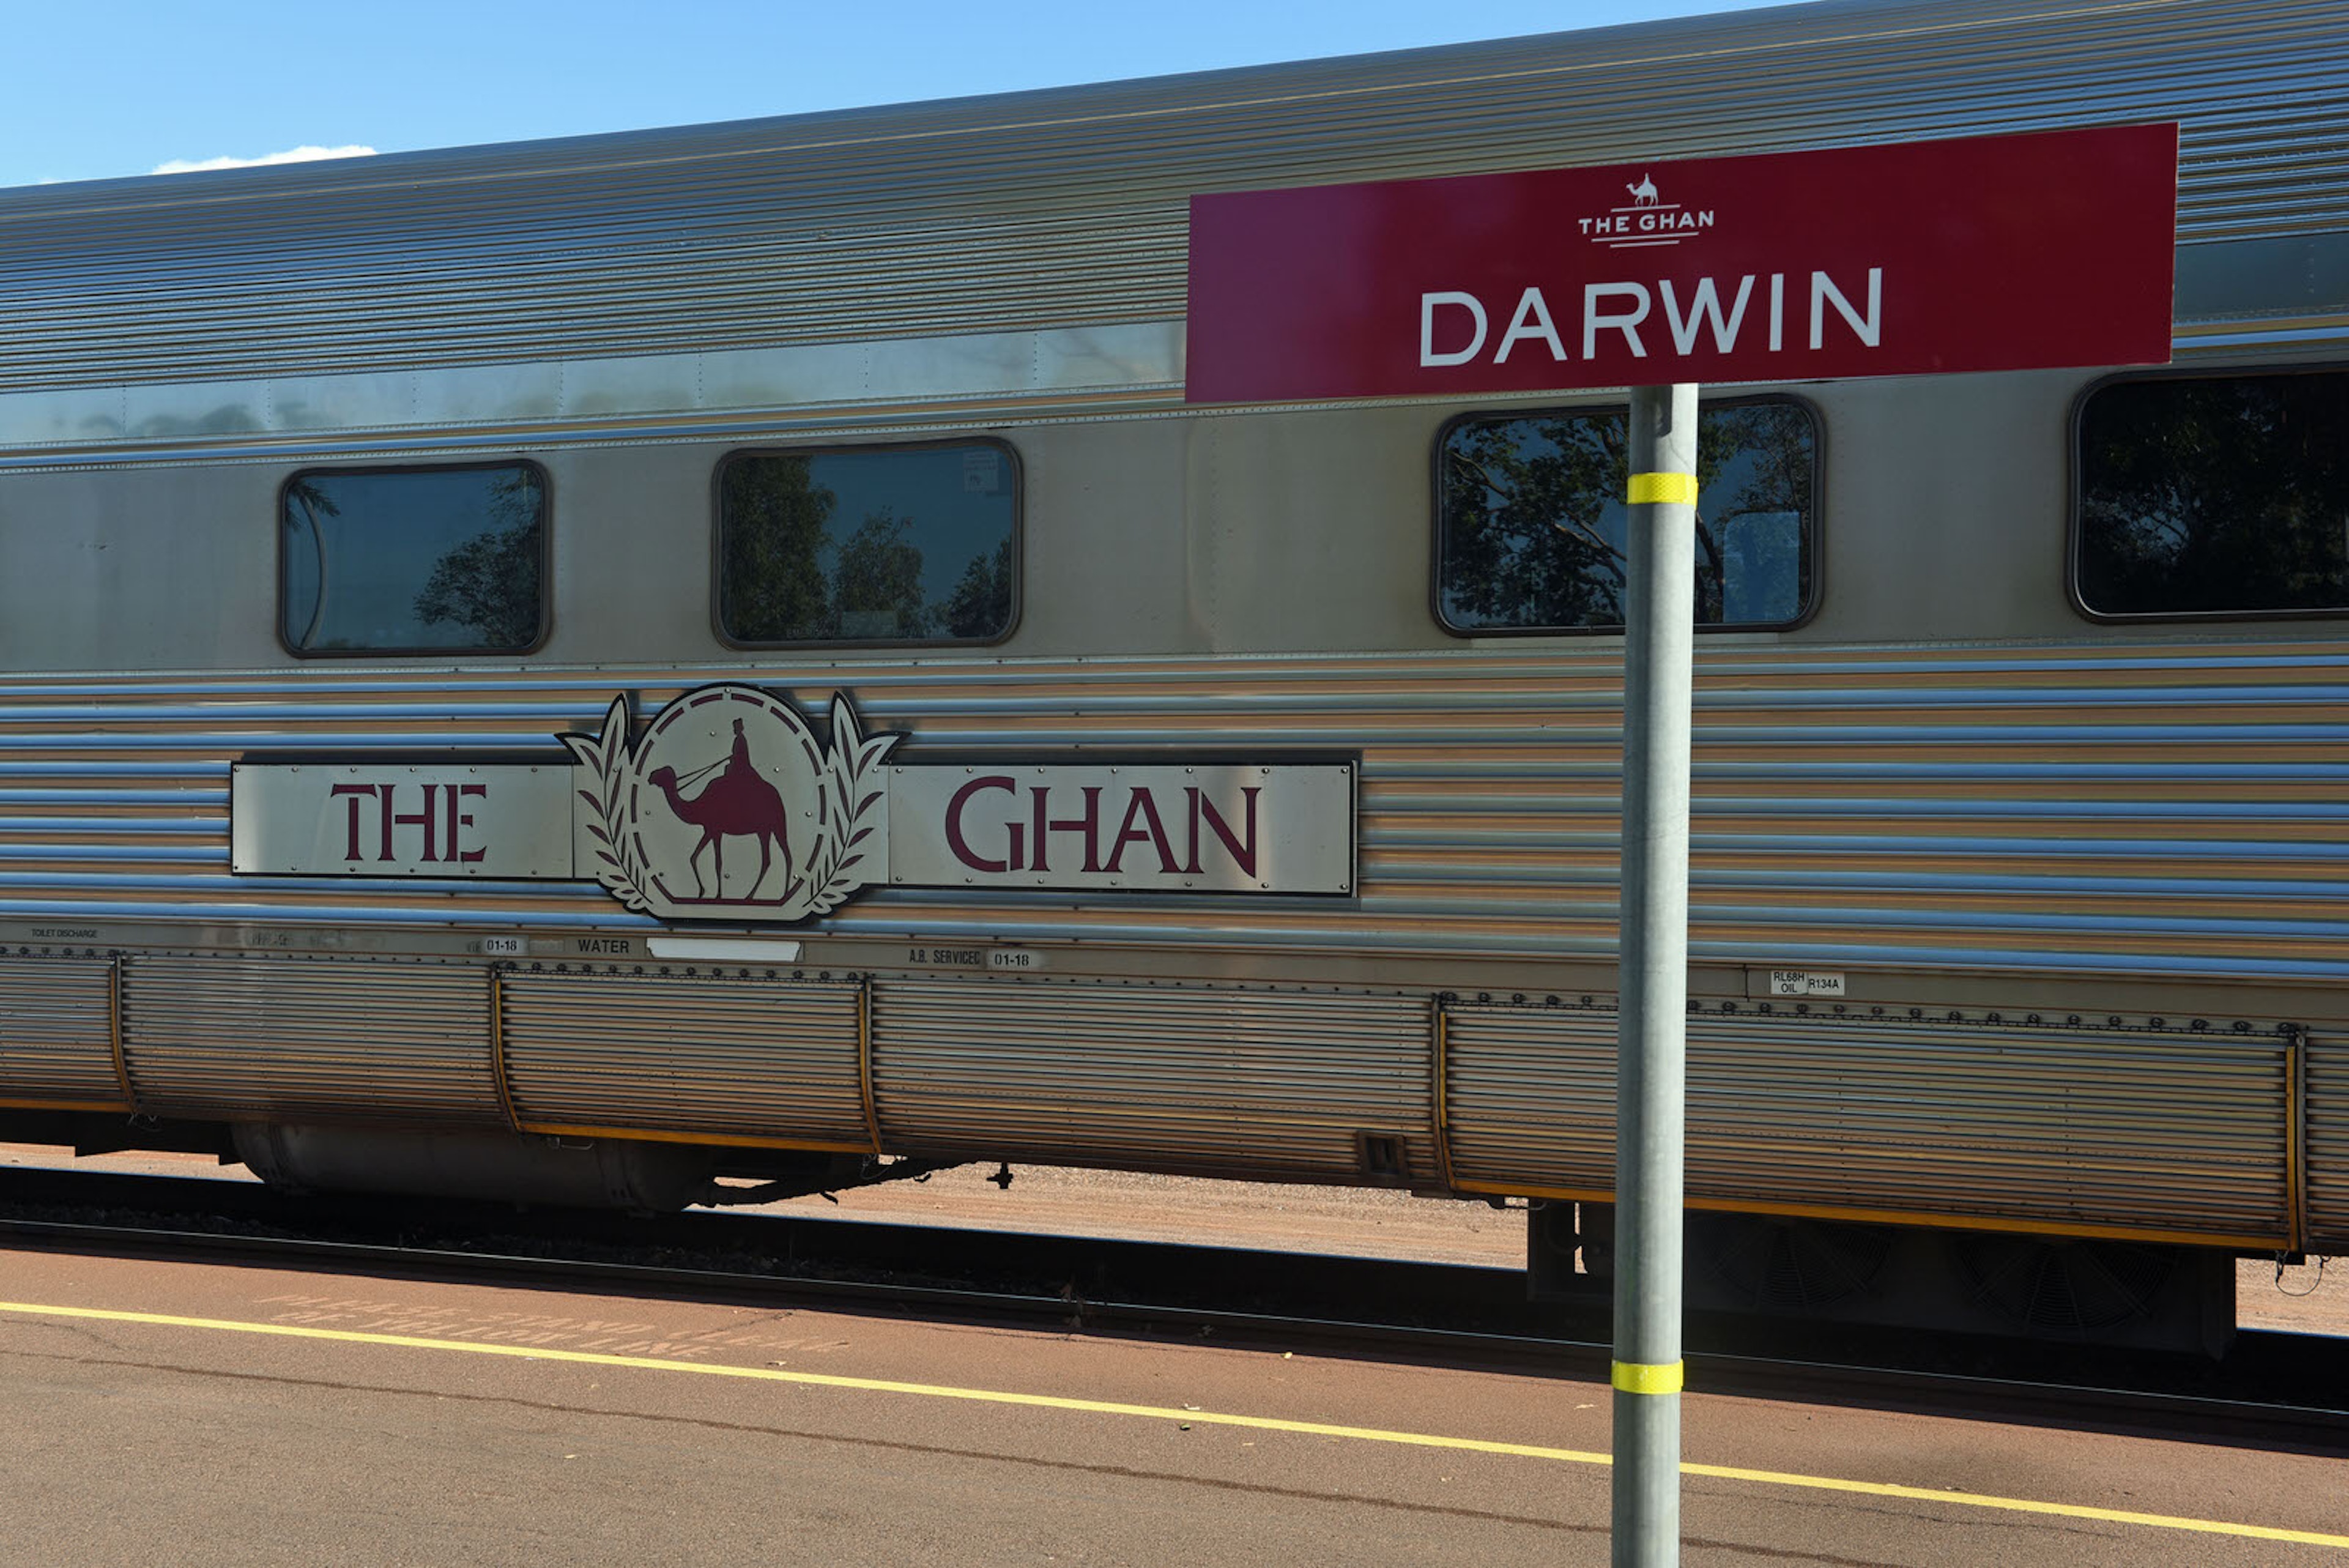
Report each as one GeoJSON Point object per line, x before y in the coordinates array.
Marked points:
{"type": "Point", "coordinates": [620, 863]}
{"type": "Point", "coordinates": [849, 791]}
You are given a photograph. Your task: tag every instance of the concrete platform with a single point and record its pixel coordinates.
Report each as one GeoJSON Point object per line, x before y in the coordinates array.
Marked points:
{"type": "Point", "coordinates": [207, 1414]}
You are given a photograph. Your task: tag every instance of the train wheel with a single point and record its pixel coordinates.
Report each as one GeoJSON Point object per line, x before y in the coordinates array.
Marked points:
{"type": "Point", "coordinates": [2063, 1284]}
{"type": "Point", "coordinates": [1766, 1264]}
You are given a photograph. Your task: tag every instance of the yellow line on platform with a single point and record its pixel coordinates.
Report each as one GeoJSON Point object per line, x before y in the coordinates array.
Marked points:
{"type": "Point", "coordinates": [1194, 1417]}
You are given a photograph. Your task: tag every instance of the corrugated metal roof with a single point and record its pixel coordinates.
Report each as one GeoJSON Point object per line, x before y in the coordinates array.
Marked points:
{"type": "Point", "coordinates": [1067, 207]}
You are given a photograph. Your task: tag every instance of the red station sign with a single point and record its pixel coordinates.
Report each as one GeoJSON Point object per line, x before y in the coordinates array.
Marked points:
{"type": "Point", "coordinates": [1992, 253]}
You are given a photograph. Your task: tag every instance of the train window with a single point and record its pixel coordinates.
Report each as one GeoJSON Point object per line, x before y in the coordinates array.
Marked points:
{"type": "Point", "coordinates": [413, 560]}
{"type": "Point", "coordinates": [893, 544]}
{"type": "Point", "coordinates": [2214, 496]}
{"type": "Point", "coordinates": [1530, 517]}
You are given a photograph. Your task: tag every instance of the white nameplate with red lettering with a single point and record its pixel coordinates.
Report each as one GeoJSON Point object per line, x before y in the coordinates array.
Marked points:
{"type": "Point", "coordinates": [394, 819]}
{"type": "Point", "coordinates": [1212, 827]}
{"type": "Point", "coordinates": [727, 807]}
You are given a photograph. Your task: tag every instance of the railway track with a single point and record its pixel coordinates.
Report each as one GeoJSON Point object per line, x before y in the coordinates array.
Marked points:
{"type": "Point", "coordinates": [2271, 1389]}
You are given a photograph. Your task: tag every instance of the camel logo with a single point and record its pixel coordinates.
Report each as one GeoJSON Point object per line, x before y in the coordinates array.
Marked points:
{"type": "Point", "coordinates": [726, 808]}
{"type": "Point", "coordinates": [1648, 219]}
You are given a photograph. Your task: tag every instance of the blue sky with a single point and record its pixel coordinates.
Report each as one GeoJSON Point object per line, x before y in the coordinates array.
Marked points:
{"type": "Point", "coordinates": [91, 89]}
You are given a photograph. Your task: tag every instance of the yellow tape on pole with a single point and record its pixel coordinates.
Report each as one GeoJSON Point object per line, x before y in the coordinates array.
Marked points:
{"type": "Point", "coordinates": [1647, 489]}
{"type": "Point", "coordinates": [1634, 1378]}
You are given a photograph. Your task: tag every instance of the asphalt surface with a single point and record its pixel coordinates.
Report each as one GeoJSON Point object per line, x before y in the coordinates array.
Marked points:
{"type": "Point", "coordinates": [193, 1413]}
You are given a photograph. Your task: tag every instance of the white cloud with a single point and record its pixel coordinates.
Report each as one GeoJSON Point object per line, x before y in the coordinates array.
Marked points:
{"type": "Point", "coordinates": [292, 155]}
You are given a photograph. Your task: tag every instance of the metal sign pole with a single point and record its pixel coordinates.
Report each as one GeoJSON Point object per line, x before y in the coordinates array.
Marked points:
{"type": "Point", "coordinates": [1651, 1041]}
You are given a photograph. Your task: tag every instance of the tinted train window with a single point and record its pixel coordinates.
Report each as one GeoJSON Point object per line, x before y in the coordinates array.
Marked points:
{"type": "Point", "coordinates": [1530, 518]}
{"type": "Point", "coordinates": [868, 545]}
{"type": "Point", "coordinates": [413, 560]}
{"type": "Point", "coordinates": [2221, 495]}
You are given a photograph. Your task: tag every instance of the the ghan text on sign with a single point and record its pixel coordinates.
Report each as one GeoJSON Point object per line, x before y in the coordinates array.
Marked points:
{"type": "Point", "coordinates": [728, 807]}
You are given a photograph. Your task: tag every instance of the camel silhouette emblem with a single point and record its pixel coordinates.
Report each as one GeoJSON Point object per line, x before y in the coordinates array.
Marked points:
{"type": "Point", "coordinates": [739, 802]}
{"type": "Point", "coordinates": [1643, 194]}
{"type": "Point", "coordinates": [732, 761]}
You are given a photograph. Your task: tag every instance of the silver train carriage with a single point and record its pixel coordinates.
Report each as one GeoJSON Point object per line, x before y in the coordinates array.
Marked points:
{"type": "Point", "coordinates": [561, 670]}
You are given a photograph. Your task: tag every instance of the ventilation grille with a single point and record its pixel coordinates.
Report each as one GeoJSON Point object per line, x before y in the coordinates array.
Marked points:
{"type": "Point", "coordinates": [342, 1039]}
{"type": "Point", "coordinates": [57, 1033]}
{"type": "Point", "coordinates": [766, 1058]}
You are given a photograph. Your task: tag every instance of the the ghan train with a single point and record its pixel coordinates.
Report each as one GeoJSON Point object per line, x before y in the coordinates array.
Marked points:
{"type": "Point", "coordinates": [564, 670]}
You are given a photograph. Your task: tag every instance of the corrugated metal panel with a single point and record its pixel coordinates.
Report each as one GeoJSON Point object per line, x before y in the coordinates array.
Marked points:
{"type": "Point", "coordinates": [740, 1057]}
{"type": "Point", "coordinates": [2136, 807]}
{"type": "Point", "coordinates": [2166, 1129]}
{"type": "Point", "coordinates": [1529, 1096]}
{"type": "Point", "coordinates": [1181, 1078]}
{"type": "Point", "coordinates": [343, 1038]}
{"type": "Point", "coordinates": [2324, 1116]}
{"type": "Point", "coordinates": [1067, 208]}
{"type": "Point", "coordinates": [56, 1032]}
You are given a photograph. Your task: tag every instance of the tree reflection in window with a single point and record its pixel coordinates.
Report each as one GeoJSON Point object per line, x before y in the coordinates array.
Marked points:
{"type": "Point", "coordinates": [1531, 518]}
{"type": "Point", "coordinates": [413, 560]}
{"type": "Point", "coordinates": [487, 585]}
{"type": "Point", "coordinates": [2215, 495]}
{"type": "Point", "coordinates": [980, 605]}
{"type": "Point", "coordinates": [928, 557]}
